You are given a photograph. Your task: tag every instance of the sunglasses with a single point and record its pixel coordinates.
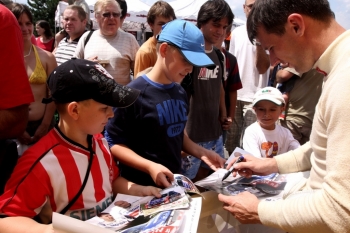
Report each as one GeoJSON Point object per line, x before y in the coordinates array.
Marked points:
{"type": "Point", "coordinates": [111, 14]}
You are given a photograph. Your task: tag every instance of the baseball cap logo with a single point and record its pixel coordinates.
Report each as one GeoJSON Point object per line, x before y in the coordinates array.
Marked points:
{"type": "Point", "coordinates": [105, 84]}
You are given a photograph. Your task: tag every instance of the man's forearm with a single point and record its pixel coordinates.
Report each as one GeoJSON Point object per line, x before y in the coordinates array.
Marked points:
{"type": "Point", "coordinates": [13, 121]}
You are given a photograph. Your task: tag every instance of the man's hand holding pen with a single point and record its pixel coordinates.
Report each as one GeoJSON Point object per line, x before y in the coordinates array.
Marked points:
{"type": "Point", "coordinates": [253, 166]}
{"type": "Point", "coordinates": [230, 170]}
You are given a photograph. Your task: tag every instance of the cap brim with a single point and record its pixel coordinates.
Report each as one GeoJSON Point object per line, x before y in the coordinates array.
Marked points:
{"type": "Point", "coordinates": [273, 100]}
{"type": "Point", "coordinates": [198, 59]}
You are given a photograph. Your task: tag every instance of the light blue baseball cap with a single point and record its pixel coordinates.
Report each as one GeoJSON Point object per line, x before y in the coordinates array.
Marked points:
{"type": "Point", "coordinates": [188, 39]}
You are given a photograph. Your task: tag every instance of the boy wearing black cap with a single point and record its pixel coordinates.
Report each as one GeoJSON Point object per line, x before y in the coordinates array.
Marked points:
{"type": "Point", "coordinates": [147, 137]}
{"type": "Point", "coordinates": [70, 170]}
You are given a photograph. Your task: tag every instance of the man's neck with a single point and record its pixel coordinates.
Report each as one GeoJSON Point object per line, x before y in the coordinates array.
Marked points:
{"type": "Point", "coordinates": [325, 35]}
{"type": "Point", "coordinates": [73, 37]}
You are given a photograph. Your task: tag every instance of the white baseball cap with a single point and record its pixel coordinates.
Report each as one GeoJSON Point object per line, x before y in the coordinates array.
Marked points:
{"type": "Point", "coordinates": [269, 93]}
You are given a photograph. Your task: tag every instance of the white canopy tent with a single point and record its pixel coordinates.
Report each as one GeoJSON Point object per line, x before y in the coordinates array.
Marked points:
{"type": "Point", "coordinates": [188, 10]}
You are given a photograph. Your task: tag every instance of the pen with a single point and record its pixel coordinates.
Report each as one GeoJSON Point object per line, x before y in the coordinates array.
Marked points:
{"type": "Point", "coordinates": [240, 159]}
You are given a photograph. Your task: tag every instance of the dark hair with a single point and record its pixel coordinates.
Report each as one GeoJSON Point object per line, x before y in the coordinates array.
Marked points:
{"type": "Point", "coordinates": [160, 8]}
{"type": "Point", "coordinates": [5, 2]}
{"type": "Point", "coordinates": [215, 10]}
{"type": "Point", "coordinates": [79, 9]}
{"type": "Point", "coordinates": [19, 9]}
{"type": "Point", "coordinates": [46, 26]}
{"type": "Point", "coordinates": [273, 14]}
{"type": "Point", "coordinates": [124, 7]}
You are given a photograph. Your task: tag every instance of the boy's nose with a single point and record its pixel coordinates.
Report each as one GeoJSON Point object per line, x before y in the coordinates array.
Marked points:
{"type": "Point", "coordinates": [110, 112]}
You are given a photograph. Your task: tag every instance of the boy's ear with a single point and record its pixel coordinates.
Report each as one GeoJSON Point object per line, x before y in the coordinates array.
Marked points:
{"type": "Point", "coordinates": [283, 107]}
{"type": "Point", "coordinates": [73, 110]}
{"type": "Point", "coordinates": [163, 48]}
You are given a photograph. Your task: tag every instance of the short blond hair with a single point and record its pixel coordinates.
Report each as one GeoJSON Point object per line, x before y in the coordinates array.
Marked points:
{"type": "Point", "coordinates": [100, 3]}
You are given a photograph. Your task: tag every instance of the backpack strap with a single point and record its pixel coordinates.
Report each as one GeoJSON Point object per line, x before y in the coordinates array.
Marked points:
{"type": "Point", "coordinates": [222, 60]}
{"type": "Point", "coordinates": [88, 37]}
{"type": "Point", "coordinates": [53, 44]}
{"type": "Point", "coordinates": [187, 82]}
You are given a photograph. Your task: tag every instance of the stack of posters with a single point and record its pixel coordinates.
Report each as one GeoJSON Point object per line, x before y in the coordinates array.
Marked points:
{"type": "Point", "coordinates": [175, 211]}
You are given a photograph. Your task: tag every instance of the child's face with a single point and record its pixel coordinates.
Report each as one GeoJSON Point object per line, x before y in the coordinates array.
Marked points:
{"type": "Point", "coordinates": [267, 113]}
{"type": "Point", "coordinates": [93, 116]}
{"type": "Point", "coordinates": [177, 65]}
{"type": "Point", "coordinates": [213, 32]}
{"type": "Point", "coordinates": [158, 23]}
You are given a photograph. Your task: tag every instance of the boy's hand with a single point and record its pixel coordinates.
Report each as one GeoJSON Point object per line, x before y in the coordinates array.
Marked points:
{"type": "Point", "coordinates": [151, 191]}
{"type": "Point", "coordinates": [25, 138]}
{"type": "Point", "coordinates": [161, 175]}
{"type": "Point", "coordinates": [212, 159]}
{"type": "Point", "coordinates": [226, 123]}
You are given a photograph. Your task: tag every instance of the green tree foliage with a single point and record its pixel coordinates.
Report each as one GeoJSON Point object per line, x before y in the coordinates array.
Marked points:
{"type": "Point", "coordinates": [44, 10]}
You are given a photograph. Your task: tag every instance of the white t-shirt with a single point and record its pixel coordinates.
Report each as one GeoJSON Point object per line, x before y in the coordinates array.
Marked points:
{"type": "Point", "coordinates": [119, 50]}
{"type": "Point", "coordinates": [268, 143]}
{"type": "Point", "coordinates": [245, 52]}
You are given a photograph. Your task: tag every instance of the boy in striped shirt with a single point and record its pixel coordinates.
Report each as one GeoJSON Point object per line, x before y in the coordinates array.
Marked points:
{"type": "Point", "coordinates": [70, 170]}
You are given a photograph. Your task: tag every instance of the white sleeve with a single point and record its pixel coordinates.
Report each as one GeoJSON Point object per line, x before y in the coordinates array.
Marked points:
{"type": "Point", "coordinates": [251, 141]}
{"type": "Point", "coordinates": [232, 44]}
{"type": "Point", "coordinates": [292, 142]}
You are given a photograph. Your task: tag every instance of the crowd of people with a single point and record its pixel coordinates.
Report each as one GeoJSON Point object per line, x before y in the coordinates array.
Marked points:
{"type": "Point", "coordinates": [179, 101]}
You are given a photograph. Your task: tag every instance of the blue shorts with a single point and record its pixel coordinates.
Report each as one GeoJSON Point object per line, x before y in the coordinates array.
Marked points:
{"type": "Point", "coordinates": [190, 164]}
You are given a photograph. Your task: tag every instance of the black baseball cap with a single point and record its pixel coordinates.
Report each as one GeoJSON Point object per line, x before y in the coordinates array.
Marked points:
{"type": "Point", "coordinates": [79, 79]}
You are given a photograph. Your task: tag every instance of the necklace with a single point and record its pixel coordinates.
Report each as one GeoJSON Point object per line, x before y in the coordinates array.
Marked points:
{"type": "Point", "coordinates": [29, 52]}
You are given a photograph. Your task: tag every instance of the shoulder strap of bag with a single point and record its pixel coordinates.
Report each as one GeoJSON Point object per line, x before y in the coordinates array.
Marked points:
{"type": "Point", "coordinates": [53, 44]}
{"type": "Point", "coordinates": [88, 37]}
{"type": "Point", "coordinates": [187, 82]}
{"type": "Point", "coordinates": [221, 59]}
{"type": "Point", "coordinates": [75, 198]}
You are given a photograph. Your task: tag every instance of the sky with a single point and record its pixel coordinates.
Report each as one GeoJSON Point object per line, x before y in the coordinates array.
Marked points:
{"type": "Point", "coordinates": [341, 9]}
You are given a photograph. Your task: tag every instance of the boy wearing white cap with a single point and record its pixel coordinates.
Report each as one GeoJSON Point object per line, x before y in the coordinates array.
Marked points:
{"type": "Point", "coordinates": [265, 138]}
{"type": "Point", "coordinates": [147, 137]}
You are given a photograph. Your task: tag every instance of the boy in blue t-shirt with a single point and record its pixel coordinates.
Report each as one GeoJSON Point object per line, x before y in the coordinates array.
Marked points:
{"type": "Point", "coordinates": [147, 137]}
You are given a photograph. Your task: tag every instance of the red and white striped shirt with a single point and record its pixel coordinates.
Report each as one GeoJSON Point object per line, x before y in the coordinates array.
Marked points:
{"type": "Point", "coordinates": [57, 178]}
